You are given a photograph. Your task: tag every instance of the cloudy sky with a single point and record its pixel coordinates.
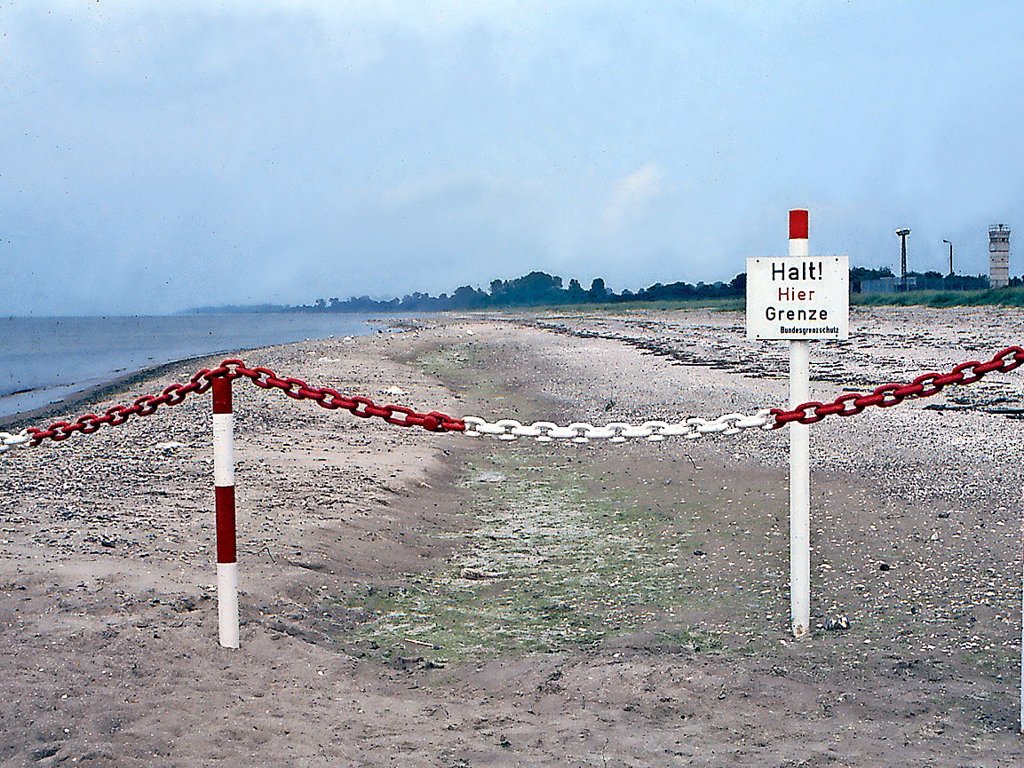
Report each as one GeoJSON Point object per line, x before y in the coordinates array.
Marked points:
{"type": "Point", "coordinates": [159, 155]}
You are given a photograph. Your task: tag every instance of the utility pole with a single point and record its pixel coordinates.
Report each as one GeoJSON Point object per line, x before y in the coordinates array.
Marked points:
{"type": "Point", "coordinates": [903, 257]}
{"type": "Point", "coordinates": [950, 256]}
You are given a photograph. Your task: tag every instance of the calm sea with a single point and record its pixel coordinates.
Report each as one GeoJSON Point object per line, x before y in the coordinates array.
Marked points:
{"type": "Point", "coordinates": [46, 359]}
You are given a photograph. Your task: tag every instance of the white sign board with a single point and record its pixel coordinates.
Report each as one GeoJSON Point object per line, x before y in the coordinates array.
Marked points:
{"type": "Point", "coordinates": [794, 298]}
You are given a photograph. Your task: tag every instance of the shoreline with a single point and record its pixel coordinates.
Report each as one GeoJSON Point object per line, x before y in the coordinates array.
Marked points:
{"type": "Point", "coordinates": [102, 391]}
{"type": "Point", "coordinates": [124, 381]}
{"type": "Point", "coordinates": [110, 383]}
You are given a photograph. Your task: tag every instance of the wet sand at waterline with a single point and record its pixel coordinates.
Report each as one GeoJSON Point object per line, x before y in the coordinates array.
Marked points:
{"type": "Point", "coordinates": [419, 599]}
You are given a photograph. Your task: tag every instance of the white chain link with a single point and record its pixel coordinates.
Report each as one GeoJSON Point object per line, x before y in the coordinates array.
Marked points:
{"type": "Point", "coordinates": [691, 428]}
{"type": "Point", "coordinates": [7, 440]}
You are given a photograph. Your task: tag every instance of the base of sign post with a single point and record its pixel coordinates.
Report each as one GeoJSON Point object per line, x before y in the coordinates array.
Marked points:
{"type": "Point", "coordinates": [799, 494]}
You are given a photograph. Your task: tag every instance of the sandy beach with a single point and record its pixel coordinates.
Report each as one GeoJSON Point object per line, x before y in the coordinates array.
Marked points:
{"type": "Point", "coordinates": [419, 599]}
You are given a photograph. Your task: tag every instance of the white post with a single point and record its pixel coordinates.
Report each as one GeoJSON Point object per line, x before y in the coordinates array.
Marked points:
{"type": "Point", "coordinates": [799, 494]}
{"type": "Point", "coordinates": [799, 460]}
{"type": "Point", "coordinates": [224, 490]}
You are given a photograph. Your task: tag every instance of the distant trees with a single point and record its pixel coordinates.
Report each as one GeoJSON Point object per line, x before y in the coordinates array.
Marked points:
{"type": "Point", "coordinates": [541, 289]}
{"type": "Point", "coordinates": [575, 294]}
{"type": "Point", "coordinates": [532, 290]}
{"type": "Point", "coordinates": [466, 297]}
{"type": "Point", "coordinates": [529, 290]}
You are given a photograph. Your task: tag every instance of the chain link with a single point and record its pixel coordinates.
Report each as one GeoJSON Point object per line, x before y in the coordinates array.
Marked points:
{"type": "Point", "coordinates": [231, 369]}
{"type": "Point", "coordinates": [691, 428]}
{"type": "Point", "coordinates": [21, 440]}
{"type": "Point", "coordinates": [888, 395]}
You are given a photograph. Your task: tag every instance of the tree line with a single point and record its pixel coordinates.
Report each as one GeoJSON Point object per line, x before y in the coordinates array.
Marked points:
{"type": "Point", "coordinates": [538, 289]}
{"type": "Point", "coordinates": [533, 290]}
{"type": "Point", "coordinates": [541, 289]}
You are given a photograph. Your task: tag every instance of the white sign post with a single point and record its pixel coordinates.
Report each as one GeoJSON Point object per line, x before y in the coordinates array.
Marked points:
{"type": "Point", "coordinates": [797, 299]}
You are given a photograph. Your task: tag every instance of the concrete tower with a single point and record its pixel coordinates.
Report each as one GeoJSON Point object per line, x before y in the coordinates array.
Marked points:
{"type": "Point", "coordinates": [998, 256]}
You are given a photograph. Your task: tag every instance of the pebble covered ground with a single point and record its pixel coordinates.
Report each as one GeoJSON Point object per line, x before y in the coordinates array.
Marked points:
{"type": "Point", "coordinates": [944, 473]}
{"type": "Point", "coordinates": [438, 600]}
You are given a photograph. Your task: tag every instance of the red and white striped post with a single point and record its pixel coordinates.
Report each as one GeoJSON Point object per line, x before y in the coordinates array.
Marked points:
{"type": "Point", "coordinates": [799, 458]}
{"type": "Point", "coordinates": [224, 490]}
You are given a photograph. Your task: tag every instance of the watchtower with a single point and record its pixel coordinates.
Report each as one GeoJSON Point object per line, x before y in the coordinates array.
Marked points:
{"type": "Point", "coordinates": [998, 256]}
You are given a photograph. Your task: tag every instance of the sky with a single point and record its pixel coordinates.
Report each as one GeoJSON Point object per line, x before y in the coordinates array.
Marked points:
{"type": "Point", "coordinates": [156, 156]}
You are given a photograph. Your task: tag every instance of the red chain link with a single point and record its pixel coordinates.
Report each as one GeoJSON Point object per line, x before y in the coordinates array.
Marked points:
{"type": "Point", "coordinates": [888, 395]}
{"type": "Point", "coordinates": [264, 378]}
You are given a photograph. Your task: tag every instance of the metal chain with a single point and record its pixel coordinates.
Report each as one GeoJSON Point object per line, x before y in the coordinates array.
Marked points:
{"type": "Point", "coordinates": [116, 415]}
{"type": "Point", "coordinates": [232, 369]}
{"type": "Point", "coordinates": [690, 428]}
{"type": "Point", "coordinates": [888, 395]}
{"type": "Point", "coordinates": [331, 399]}
{"type": "Point", "coordinates": [21, 440]}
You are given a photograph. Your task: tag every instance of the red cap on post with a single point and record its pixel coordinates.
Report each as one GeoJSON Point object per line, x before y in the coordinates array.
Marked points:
{"type": "Point", "coordinates": [221, 395]}
{"type": "Point", "coordinates": [798, 226]}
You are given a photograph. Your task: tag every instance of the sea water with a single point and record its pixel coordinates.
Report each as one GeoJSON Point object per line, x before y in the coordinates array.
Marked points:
{"type": "Point", "coordinates": [47, 359]}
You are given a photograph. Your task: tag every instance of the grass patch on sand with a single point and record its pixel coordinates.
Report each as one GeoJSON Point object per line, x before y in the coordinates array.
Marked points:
{"type": "Point", "coordinates": [549, 565]}
{"type": "Point", "coordinates": [725, 304]}
{"type": "Point", "coordinates": [453, 364]}
{"type": "Point", "coordinates": [1001, 297]}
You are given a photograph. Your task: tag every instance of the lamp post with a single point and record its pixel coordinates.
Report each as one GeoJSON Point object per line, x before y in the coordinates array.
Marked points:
{"type": "Point", "coordinates": [947, 242]}
{"type": "Point", "coordinates": [903, 257]}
